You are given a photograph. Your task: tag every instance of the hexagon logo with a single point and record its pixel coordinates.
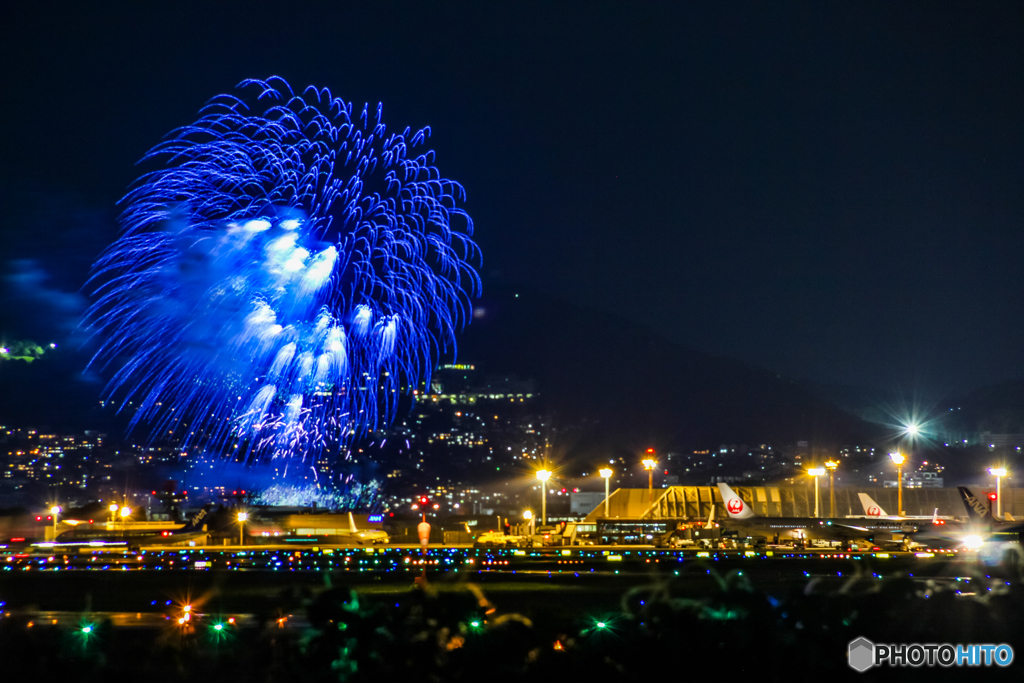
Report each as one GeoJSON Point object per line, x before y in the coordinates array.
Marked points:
{"type": "Point", "coordinates": [862, 654]}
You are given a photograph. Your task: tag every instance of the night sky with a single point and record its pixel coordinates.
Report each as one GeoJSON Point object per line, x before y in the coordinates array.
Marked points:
{"type": "Point", "coordinates": [829, 190]}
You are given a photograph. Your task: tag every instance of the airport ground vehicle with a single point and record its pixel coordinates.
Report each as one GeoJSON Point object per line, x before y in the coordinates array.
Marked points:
{"type": "Point", "coordinates": [501, 540]}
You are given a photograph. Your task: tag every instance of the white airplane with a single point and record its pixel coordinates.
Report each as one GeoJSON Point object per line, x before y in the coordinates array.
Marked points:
{"type": "Point", "coordinates": [878, 529]}
{"type": "Point", "coordinates": [875, 511]}
{"type": "Point", "coordinates": [364, 536]}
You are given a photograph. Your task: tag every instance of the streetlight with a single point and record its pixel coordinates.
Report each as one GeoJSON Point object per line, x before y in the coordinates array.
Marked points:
{"type": "Point", "coordinates": [607, 474]}
{"type": "Point", "coordinates": [544, 475]}
{"type": "Point", "coordinates": [998, 473]}
{"type": "Point", "coordinates": [899, 459]}
{"type": "Point", "coordinates": [55, 510]}
{"type": "Point", "coordinates": [831, 466]}
{"type": "Point", "coordinates": [817, 472]}
{"type": "Point", "coordinates": [649, 464]}
{"type": "Point", "coordinates": [242, 517]}
{"type": "Point", "coordinates": [113, 512]}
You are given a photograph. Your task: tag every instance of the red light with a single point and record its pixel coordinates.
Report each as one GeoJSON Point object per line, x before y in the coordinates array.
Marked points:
{"type": "Point", "coordinates": [651, 451]}
{"type": "Point", "coordinates": [991, 496]}
{"type": "Point", "coordinates": [19, 539]}
{"type": "Point", "coordinates": [153, 493]}
{"type": "Point", "coordinates": [48, 518]}
{"type": "Point", "coordinates": [38, 518]}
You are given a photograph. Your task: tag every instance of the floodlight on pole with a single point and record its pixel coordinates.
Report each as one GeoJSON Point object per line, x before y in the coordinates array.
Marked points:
{"type": "Point", "coordinates": [649, 464]}
{"type": "Point", "coordinates": [998, 473]}
{"type": "Point", "coordinates": [55, 511]}
{"type": "Point", "coordinates": [899, 459]}
{"type": "Point", "coordinates": [544, 475]}
{"type": "Point", "coordinates": [242, 517]}
{"type": "Point", "coordinates": [831, 466]}
{"type": "Point", "coordinates": [816, 472]}
{"type": "Point", "coordinates": [607, 474]}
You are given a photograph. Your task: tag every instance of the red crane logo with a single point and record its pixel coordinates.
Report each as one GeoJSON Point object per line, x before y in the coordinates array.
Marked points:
{"type": "Point", "coordinates": [874, 511]}
{"type": "Point", "coordinates": [735, 506]}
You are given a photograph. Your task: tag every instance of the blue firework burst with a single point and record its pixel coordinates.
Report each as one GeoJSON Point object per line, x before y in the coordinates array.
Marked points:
{"type": "Point", "coordinates": [290, 269]}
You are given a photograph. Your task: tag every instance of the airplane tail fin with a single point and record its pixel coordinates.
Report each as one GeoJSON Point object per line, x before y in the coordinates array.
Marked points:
{"type": "Point", "coordinates": [871, 508]}
{"type": "Point", "coordinates": [352, 523]}
{"type": "Point", "coordinates": [734, 505]}
{"type": "Point", "coordinates": [710, 524]}
{"type": "Point", "coordinates": [977, 511]}
{"type": "Point", "coordinates": [197, 521]}
{"type": "Point", "coordinates": [935, 516]}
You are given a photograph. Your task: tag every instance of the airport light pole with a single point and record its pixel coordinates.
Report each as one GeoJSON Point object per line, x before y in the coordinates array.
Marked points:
{"type": "Point", "coordinates": [242, 517]}
{"type": "Point", "coordinates": [55, 510]}
{"type": "Point", "coordinates": [816, 472]}
{"type": "Point", "coordinates": [899, 459]}
{"type": "Point", "coordinates": [649, 464]}
{"type": "Point", "coordinates": [607, 474]}
{"type": "Point", "coordinates": [998, 473]}
{"type": "Point", "coordinates": [113, 512]}
{"type": "Point", "coordinates": [544, 475]}
{"type": "Point", "coordinates": [831, 466]}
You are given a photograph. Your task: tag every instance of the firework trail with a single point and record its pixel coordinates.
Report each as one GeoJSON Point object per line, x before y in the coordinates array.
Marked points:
{"type": "Point", "coordinates": [286, 274]}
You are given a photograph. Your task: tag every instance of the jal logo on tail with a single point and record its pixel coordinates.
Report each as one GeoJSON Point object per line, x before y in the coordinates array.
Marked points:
{"type": "Point", "coordinates": [735, 506]}
{"type": "Point", "coordinates": [874, 511]}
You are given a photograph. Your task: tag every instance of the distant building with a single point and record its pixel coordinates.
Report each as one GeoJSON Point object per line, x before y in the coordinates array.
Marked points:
{"type": "Point", "coordinates": [585, 501]}
{"type": "Point", "coordinates": [918, 480]}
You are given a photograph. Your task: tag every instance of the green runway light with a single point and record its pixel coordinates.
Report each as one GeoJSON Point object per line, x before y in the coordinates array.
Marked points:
{"type": "Point", "coordinates": [474, 624]}
{"type": "Point", "coordinates": [87, 630]}
{"type": "Point", "coordinates": [601, 624]}
{"type": "Point", "coordinates": [218, 627]}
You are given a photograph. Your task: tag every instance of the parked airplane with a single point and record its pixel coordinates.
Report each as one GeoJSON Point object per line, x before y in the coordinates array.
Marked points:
{"type": "Point", "coordinates": [875, 530]}
{"type": "Point", "coordinates": [875, 511]}
{"type": "Point", "coordinates": [364, 536]}
{"type": "Point", "coordinates": [133, 535]}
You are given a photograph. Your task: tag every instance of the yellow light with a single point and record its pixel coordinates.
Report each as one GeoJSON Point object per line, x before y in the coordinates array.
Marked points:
{"type": "Point", "coordinates": [997, 471]}
{"type": "Point", "coordinates": [113, 507]}
{"type": "Point", "coordinates": [831, 464]}
{"type": "Point", "coordinates": [55, 510]}
{"type": "Point", "coordinates": [543, 475]}
{"type": "Point", "coordinates": [605, 472]}
{"type": "Point", "coordinates": [897, 458]}
{"type": "Point", "coordinates": [125, 512]}
{"type": "Point", "coordinates": [243, 516]}
{"type": "Point", "coordinates": [816, 472]}
{"type": "Point", "coordinates": [650, 464]}
{"type": "Point", "coordinates": [187, 608]}
{"type": "Point", "coordinates": [973, 542]}
{"type": "Point", "coordinates": [527, 515]}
